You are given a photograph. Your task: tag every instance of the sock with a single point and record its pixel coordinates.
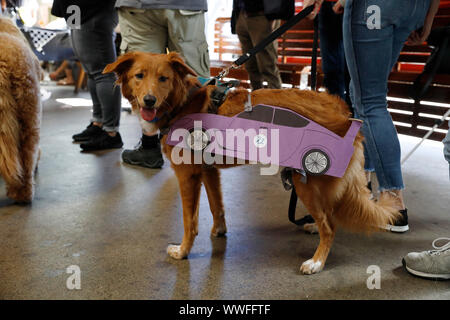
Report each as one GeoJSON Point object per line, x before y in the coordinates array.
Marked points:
{"type": "Point", "coordinates": [150, 142]}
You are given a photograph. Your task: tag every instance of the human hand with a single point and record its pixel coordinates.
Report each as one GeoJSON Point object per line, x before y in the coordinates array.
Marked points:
{"type": "Point", "coordinates": [419, 36]}
{"type": "Point", "coordinates": [338, 8]}
{"type": "Point", "coordinates": [316, 3]}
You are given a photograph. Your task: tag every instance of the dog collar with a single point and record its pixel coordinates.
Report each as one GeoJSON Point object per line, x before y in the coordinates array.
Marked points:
{"type": "Point", "coordinates": [219, 95]}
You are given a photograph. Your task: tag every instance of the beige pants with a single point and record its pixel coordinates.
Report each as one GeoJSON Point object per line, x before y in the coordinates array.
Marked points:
{"type": "Point", "coordinates": [251, 30]}
{"type": "Point", "coordinates": [156, 30]}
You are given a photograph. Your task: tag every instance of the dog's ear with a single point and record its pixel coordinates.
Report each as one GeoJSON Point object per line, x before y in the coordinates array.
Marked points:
{"type": "Point", "coordinates": [121, 65]}
{"type": "Point", "coordinates": [179, 65]}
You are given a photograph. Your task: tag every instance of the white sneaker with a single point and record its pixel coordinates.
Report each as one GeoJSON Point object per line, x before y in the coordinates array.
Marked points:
{"type": "Point", "coordinates": [432, 264]}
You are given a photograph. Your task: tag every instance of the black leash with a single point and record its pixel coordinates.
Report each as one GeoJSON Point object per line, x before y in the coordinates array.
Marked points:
{"type": "Point", "coordinates": [293, 199]}
{"type": "Point", "coordinates": [270, 38]}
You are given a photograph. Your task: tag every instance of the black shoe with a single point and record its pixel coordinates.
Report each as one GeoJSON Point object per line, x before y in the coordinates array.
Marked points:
{"type": "Point", "coordinates": [149, 157]}
{"type": "Point", "coordinates": [102, 142]}
{"type": "Point", "coordinates": [89, 133]}
{"type": "Point", "coordinates": [401, 225]}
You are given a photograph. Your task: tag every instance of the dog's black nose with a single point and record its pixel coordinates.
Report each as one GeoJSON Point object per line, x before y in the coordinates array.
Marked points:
{"type": "Point", "coordinates": [149, 100]}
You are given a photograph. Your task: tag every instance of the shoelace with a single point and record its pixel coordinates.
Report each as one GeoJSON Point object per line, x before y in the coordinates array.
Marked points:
{"type": "Point", "coordinates": [440, 249]}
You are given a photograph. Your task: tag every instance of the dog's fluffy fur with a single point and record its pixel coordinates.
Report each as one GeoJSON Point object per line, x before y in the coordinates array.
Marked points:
{"type": "Point", "coordinates": [20, 112]}
{"type": "Point", "coordinates": [331, 201]}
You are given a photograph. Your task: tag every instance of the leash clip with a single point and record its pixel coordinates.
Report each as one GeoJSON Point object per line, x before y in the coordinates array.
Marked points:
{"type": "Point", "coordinates": [226, 70]}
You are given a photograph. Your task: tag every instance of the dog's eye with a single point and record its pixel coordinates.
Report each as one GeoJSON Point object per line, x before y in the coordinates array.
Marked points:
{"type": "Point", "coordinates": [139, 76]}
{"type": "Point", "coordinates": [162, 79]}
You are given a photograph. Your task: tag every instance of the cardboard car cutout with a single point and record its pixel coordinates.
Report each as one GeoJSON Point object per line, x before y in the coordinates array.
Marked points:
{"type": "Point", "coordinates": [268, 134]}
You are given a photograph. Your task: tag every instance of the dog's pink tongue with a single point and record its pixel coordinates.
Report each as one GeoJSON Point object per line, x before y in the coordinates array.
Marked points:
{"type": "Point", "coordinates": [148, 114]}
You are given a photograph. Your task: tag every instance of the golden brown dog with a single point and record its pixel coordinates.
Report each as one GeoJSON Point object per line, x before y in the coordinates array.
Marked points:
{"type": "Point", "coordinates": [331, 201]}
{"type": "Point", "coordinates": [20, 112]}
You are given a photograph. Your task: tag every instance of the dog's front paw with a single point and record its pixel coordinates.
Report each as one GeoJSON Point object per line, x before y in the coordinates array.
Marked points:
{"type": "Point", "coordinates": [310, 266]}
{"type": "Point", "coordinates": [176, 252]}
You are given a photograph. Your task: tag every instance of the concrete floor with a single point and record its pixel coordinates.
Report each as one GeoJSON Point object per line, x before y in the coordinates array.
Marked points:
{"type": "Point", "coordinates": [114, 221]}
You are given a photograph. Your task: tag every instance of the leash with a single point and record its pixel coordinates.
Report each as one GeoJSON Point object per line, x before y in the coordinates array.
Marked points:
{"type": "Point", "coordinates": [268, 40]}
{"type": "Point", "coordinates": [218, 96]}
{"type": "Point", "coordinates": [437, 124]}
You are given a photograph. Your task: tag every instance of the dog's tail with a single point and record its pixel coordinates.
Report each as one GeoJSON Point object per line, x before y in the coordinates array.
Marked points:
{"type": "Point", "coordinates": [356, 211]}
{"type": "Point", "coordinates": [10, 164]}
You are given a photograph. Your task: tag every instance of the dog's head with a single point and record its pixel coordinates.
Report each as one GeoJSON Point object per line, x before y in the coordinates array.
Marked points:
{"type": "Point", "coordinates": [152, 82]}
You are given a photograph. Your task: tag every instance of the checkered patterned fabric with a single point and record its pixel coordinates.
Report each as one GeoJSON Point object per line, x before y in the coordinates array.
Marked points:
{"type": "Point", "coordinates": [40, 37]}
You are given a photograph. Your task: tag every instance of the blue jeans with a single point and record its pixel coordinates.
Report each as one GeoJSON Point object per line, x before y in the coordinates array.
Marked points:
{"type": "Point", "coordinates": [371, 55]}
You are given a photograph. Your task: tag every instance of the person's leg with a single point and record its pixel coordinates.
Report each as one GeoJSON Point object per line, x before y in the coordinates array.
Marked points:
{"type": "Point", "coordinates": [108, 93]}
{"type": "Point", "coordinates": [259, 28]}
{"type": "Point", "coordinates": [144, 30]}
{"type": "Point", "coordinates": [109, 96]}
{"type": "Point", "coordinates": [141, 32]}
{"type": "Point", "coordinates": [55, 74]}
{"type": "Point", "coordinates": [370, 54]}
{"type": "Point", "coordinates": [93, 130]}
{"type": "Point", "coordinates": [186, 31]}
{"type": "Point", "coordinates": [251, 66]}
{"type": "Point", "coordinates": [97, 114]}
{"type": "Point", "coordinates": [401, 32]}
{"type": "Point", "coordinates": [96, 49]}
{"type": "Point", "coordinates": [332, 50]}
{"type": "Point", "coordinates": [69, 76]}
{"type": "Point", "coordinates": [369, 167]}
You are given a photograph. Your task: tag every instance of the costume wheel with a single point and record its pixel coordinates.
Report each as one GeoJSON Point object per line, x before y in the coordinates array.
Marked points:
{"type": "Point", "coordinates": [198, 139]}
{"type": "Point", "coordinates": [316, 162]}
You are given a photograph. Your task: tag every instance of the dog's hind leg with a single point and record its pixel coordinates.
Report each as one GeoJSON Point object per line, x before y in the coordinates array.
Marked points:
{"type": "Point", "coordinates": [29, 118]}
{"type": "Point", "coordinates": [29, 153]}
{"type": "Point", "coordinates": [211, 179]}
{"type": "Point", "coordinates": [327, 229]}
{"type": "Point", "coordinates": [10, 162]}
{"type": "Point", "coordinates": [189, 180]}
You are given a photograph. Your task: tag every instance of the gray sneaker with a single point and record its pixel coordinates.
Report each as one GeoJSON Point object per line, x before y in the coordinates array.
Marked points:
{"type": "Point", "coordinates": [433, 264]}
{"type": "Point", "coordinates": [149, 158]}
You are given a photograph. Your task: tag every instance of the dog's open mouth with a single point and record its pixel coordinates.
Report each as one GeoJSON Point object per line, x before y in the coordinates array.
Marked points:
{"type": "Point", "coordinates": [148, 114]}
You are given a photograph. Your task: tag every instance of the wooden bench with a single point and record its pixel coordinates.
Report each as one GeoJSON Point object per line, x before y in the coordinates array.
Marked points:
{"type": "Point", "coordinates": [294, 54]}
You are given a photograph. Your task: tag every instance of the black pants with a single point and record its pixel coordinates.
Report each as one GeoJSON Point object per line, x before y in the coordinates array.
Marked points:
{"type": "Point", "coordinates": [94, 46]}
{"type": "Point", "coordinates": [336, 78]}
